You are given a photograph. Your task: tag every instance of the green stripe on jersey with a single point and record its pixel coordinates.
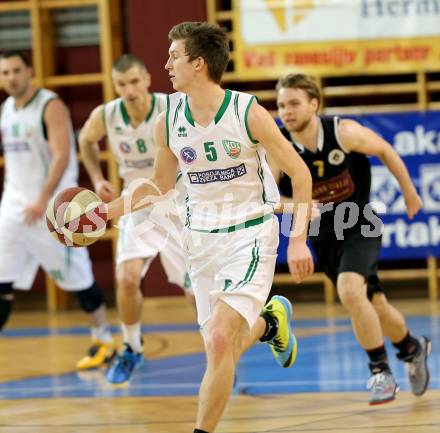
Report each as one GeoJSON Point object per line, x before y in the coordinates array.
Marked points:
{"type": "Point", "coordinates": [167, 126]}
{"type": "Point", "coordinates": [153, 102]}
{"type": "Point", "coordinates": [34, 96]}
{"type": "Point", "coordinates": [220, 112]}
{"type": "Point", "coordinates": [236, 107]}
{"type": "Point", "coordinates": [188, 114]}
{"type": "Point", "coordinates": [246, 121]}
{"type": "Point", "coordinates": [245, 225]}
{"type": "Point", "coordinates": [124, 113]}
{"type": "Point", "coordinates": [261, 176]}
{"type": "Point", "coordinates": [176, 112]}
{"type": "Point", "coordinates": [223, 107]}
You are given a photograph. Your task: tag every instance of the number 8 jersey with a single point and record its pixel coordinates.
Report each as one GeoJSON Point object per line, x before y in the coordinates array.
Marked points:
{"type": "Point", "coordinates": [227, 180]}
{"type": "Point", "coordinates": [133, 147]}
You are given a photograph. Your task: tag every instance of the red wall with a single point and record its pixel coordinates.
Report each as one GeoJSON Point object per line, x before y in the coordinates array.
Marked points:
{"type": "Point", "coordinates": [147, 27]}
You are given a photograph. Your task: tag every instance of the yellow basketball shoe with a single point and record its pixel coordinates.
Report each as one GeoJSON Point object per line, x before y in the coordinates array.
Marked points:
{"type": "Point", "coordinates": [98, 355]}
{"type": "Point", "coordinates": [284, 345]}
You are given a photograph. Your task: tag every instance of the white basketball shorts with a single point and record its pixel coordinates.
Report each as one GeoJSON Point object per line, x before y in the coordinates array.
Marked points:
{"type": "Point", "coordinates": [235, 267]}
{"type": "Point", "coordinates": [141, 238]}
{"type": "Point", "coordinates": [24, 248]}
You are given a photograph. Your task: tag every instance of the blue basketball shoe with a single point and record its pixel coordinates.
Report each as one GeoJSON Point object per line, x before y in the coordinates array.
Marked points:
{"type": "Point", "coordinates": [283, 345]}
{"type": "Point", "coordinates": [124, 365]}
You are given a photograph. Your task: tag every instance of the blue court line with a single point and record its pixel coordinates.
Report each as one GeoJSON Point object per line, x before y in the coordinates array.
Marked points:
{"type": "Point", "coordinates": [187, 327]}
{"type": "Point", "coordinates": [83, 330]}
{"type": "Point", "coordinates": [174, 327]}
{"type": "Point", "coordinates": [325, 363]}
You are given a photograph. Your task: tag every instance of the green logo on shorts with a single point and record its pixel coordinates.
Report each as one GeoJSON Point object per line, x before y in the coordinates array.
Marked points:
{"type": "Point", "coordinates": [232, 148]}
{"type": "Point", "coordinates": [187, 282]}
{"type": "Point", "coordinates": [57, 275]}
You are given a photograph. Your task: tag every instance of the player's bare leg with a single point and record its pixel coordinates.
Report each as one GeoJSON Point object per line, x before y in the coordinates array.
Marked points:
{"type": "Point", "coordinates": [352, 291]}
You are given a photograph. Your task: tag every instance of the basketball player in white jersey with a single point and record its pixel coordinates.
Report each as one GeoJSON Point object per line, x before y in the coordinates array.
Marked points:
{"type": "Point", "coordinates": [219, 139]}
{"type": "Point", "coordinates": [40, 160]}
{"type": "Point", "coordinates": [128, 123]}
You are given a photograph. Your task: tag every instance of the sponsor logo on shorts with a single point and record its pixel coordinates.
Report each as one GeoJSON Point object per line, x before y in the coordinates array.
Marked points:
{"type": "Point", "coordinates": [232, 148]}
{"type": "Point", "coordinates": [124, 147]}
{"type": "Point", "coordinates": [217, 175]}
{"type": "Point", "coordinates": [336, 157]}
{"type": "Point", "coordinates": [188, 154]}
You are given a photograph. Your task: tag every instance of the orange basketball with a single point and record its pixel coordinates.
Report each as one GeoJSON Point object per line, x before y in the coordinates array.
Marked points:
{"type": "Point", "coordinates": [76, 217]}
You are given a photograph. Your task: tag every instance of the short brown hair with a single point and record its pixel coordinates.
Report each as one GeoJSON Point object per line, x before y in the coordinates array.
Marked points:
{"type": "Point", "coordinates": [16, 53]}
{"type": "Point", "coordinates": [127, 61]}
{"type": "Point", "coordinates": [205, 40]}
{"type": "Point", "coordinates": [300, 81]}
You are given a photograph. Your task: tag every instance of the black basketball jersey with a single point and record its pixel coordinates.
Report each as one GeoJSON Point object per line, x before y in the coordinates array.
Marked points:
{"type": "Point", "coordinates": [337, 176]}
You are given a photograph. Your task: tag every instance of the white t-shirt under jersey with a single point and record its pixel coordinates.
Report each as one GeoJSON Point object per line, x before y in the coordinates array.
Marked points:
{"type": "Point", "coordinates": [27, 153]}
{"type": "Point", "coordinates": [133, 147]}
{"type": "Point", "coordinates": [224, 170]}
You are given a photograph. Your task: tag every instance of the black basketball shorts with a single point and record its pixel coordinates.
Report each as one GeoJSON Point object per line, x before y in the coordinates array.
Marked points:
{"type": "Point", "coordinates": [355, 253]}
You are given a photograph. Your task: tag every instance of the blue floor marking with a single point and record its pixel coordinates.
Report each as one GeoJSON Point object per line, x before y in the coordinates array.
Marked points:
{"type": "Point", "coordinates": [325, 363]}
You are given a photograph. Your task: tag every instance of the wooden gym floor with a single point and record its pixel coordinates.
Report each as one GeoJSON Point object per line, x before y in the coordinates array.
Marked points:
{"type": "Point", "coordinates": [324, 391]}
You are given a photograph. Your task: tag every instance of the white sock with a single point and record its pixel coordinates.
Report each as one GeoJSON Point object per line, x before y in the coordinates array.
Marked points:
{"type": "Point", "coordinates": [132, 336]}
{"type": "Point", "coordinates": [102, 333]}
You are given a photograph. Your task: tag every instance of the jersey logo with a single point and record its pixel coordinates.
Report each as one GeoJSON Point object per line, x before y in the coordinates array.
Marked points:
{"type": "Point", "coordinates": [188, 154]}
{"type": "Point", "coordinates": [118, 130]}
{"type": "Point", "coordinates": [336, 157]}
{"type": "Point", "coordinates": [181, 131]}
{"type": "Point", "coordinates": [124, 147]}
{"type": "Point", "coordinates": [217, 175]}
{"type": "Point", "coordinates": [232, 148]}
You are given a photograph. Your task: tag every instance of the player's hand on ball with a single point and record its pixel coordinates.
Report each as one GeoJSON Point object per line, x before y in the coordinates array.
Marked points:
{"type": "Point", "coordinates": [76, 217]}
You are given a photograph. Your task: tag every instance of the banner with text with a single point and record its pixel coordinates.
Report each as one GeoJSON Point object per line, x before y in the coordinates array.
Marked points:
{"type": "Point", "coordinates": [336, 36]}
{"type": "Point", "coordinates": [416, 138]}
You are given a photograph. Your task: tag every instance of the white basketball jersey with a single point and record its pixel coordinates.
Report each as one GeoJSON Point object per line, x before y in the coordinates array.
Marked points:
{"type": "Point", "coordinates": [133, 147]}
{"type": "Point", "coordinates": [27, 154]}
{"type": "Point", "coordinates": [226, 176]}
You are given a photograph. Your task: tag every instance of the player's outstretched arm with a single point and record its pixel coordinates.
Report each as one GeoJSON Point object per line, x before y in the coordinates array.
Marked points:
{"type": "Point", "coordinates": [264, 129]}
{"type": "Point", "coordinates": [91, 133]}
{"type": "Point", "coordinates": [357, 138]}
{"type": "Point", "coordinates": [163, 179]}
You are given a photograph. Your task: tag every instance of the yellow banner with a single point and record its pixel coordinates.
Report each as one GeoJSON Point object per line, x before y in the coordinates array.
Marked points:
{"type": "Point", "coordinates": [338, 58]}
{"type": "Point", "coordinates": [273, 37]}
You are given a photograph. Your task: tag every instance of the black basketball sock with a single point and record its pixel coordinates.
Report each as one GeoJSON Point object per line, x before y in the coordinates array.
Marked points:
{"type": "Point", "coordinates": [378, 360]}
{"type": "Point", "coordinates": [271, 327]}
{"type": "Point", "coordinates": [408, 347]}
{"type": "Point", "coordinates": [196, 430]}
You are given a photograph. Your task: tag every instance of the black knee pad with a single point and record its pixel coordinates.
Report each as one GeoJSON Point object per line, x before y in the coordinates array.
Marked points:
{"type": "Point", "coordinates": [6, 298]}
{"type": "Point", "coordinates": [91, 299]}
